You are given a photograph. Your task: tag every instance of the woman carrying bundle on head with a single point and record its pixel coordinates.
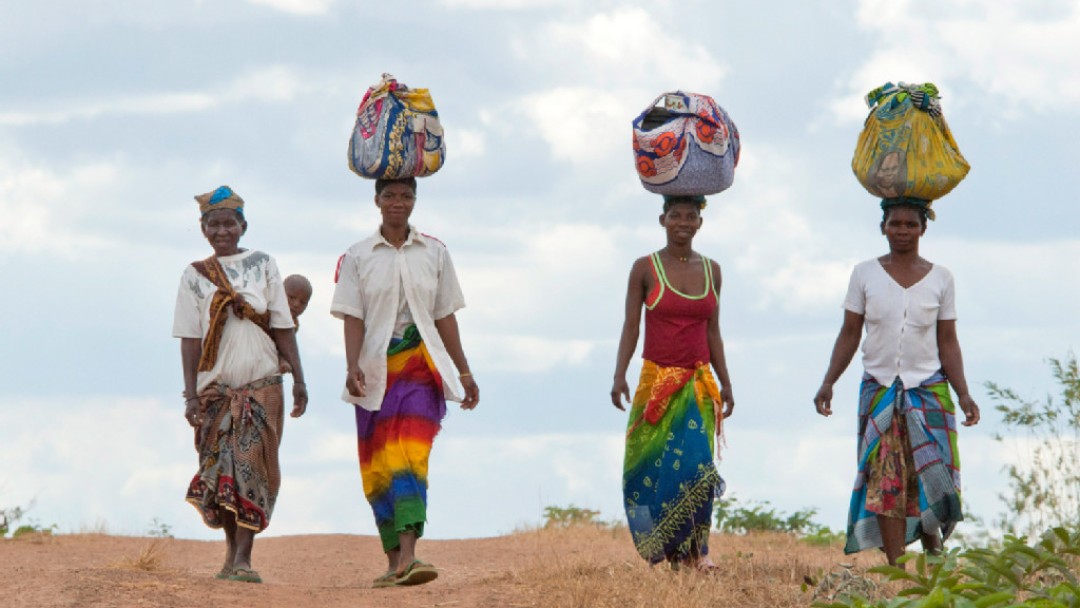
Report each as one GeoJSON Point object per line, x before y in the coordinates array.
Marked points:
{"type": "Point", "coordinates": [677, 412]}
{"type": "Point", "coordinates": [908, 481]}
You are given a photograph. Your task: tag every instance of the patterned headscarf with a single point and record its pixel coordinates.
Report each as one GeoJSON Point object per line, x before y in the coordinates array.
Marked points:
{"type": "Point", "coordinates": [222, 198]}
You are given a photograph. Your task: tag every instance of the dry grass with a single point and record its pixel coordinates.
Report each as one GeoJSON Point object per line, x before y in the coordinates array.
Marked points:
{"type": "Point", "coordinates": [585, 566]}
{"type": "Point", "coordinates": [149, 560]}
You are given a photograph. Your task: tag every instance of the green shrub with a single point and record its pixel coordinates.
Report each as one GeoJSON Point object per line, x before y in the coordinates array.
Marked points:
{"type": "Point", "coordinates": [1042, 574]}
{"type": "Point", "coordinates": [1044, 487]}
{"type": "Point", "coordinates": [759, 516]}
{"type": "Point", "coordinates": [559, 517]}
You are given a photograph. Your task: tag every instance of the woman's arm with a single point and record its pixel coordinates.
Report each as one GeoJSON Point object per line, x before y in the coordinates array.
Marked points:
{"type": "Point", "coordinates": [716, 349]}
{"type": "Point", "coordinates": [952, 363]}
{"type": "Point", "coordinates": [285, 340]}
{"type": "Point", "coordinates": [635, 297]}
{"type": "Point", "coordinates": [354, 343]}
{"type": "Point", "coordinates": [843, 350]}
{"type": "Point", "coordinates": [190, 352]}
{"type": "Point", "coordinates": [451, 339]}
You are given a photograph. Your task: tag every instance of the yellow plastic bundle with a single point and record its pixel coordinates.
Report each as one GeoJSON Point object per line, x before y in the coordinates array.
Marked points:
{"type": "Point", "coordinates": [905, 148]}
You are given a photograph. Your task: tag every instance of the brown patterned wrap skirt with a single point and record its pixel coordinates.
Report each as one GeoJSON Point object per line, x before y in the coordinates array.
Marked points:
{"type": "Point", "coordinates": [238, 443]}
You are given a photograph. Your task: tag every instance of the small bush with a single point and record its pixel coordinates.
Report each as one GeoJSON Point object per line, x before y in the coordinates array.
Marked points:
{"type": "Point", "coordinates": [735, 518]}
{"type": "Point", "coordinates": [560, 517]}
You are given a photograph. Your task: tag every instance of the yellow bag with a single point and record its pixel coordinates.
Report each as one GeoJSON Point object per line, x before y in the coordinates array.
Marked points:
{"type": "Point", "coordinates": [906, 148]}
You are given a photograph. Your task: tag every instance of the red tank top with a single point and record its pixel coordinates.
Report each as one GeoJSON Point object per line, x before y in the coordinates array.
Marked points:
{"type": "Point", "coordinates": [676, 324]}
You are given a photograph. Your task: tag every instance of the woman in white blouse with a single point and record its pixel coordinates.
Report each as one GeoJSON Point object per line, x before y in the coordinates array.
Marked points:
{"type": "Point", "coordinates": [233, 320]}
{"type": "Point", "coordinates": [908, 482]}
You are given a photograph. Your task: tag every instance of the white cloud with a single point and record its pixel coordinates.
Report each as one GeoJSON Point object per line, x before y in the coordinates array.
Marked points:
{"type": "Point", "coordinates": [590, 123]}
{"type": "Point", "coordinates": [499, 4]}
{"type": "Point", "coordinates": [297, 7]}
{"type": "Point", "coordinates": [41, 207]}
{"type": "Point", "coordinates": [468, 143]}
{"type": "Point", "coordinates": [620, 48]}
{"type": "Point", "coordinates": [273, 84]}
{"type": "Point", "coordinates": [1014, 57]}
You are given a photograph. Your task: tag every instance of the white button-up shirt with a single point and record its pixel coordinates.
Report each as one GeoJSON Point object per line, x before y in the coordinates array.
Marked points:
{"type": "Point", "coordinates": [372, 277]}
{"type": "Point", "coordinates": [901, 324]}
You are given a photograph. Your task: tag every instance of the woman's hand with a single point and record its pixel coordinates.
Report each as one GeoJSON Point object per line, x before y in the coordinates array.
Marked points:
{"type": "Point", "coordinates": [472, 392]}
{"type": "Point", "coordinates": [970, 409]}
{"type": "Point", "coordinates": [300, 399]}
{"type": "Point", "coordinates": [191, 411]}
{"type": "Point", "coordinates": [620, 391]}
{"type": "Point", "coordinates": [729, 400]}
{"type": "Point", "coordinates": [823, 399]}
{"type": "Point", "coordinates": [355, 382]}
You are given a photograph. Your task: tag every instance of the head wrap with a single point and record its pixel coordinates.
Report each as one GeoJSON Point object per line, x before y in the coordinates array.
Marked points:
{"type": "Point", "coordinates": [920, 203]}
{"type": "Point", "coordinates": [693, 199]}
{"type": "Point", "coordinates": [222, 198]}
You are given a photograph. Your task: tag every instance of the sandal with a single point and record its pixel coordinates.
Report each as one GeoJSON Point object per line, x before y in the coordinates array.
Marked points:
{"type": "Point", "coordinates": [417, 573]}
{"type": "Point", "coordinates": [245, 575]}
{"type": "Point", "coordinates": [386, 580]}
{"type": "Point", "coordinates": [224, 573]}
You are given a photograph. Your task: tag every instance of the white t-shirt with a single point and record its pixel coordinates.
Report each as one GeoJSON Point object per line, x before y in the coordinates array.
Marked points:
{"type": "Point", "coordinates": [246, 353]}
{"type": "Point", "coordinates": [901, 324]}
{"type": "Point", "coordinates": [373, 277]}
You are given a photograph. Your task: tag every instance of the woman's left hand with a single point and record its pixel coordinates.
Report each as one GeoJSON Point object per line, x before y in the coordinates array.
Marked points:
{"type": "Point", "coordinates": [300, 399]}
{"type": "Point", "coordinates": [472, 392]}
{"type": "Point", "coordinates": [729, 401]}
{"type": "Point", "coordinates": [970, 409]}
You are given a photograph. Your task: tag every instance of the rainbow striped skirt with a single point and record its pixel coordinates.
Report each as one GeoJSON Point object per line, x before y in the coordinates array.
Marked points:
{"type": "Point", "coordinates": [394, 442]}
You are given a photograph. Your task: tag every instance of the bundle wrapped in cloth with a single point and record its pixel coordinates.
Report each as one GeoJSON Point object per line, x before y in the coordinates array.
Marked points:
{"type": "Point", "coordinates": [906, 150]}
{"type": "Point", "coordinates": [397, 133]}
{"type": "Point", "coordinates": [687, 146]}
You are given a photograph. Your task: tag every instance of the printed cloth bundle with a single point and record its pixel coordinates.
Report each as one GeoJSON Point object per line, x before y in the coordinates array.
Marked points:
{"type": "Point", "coordinates": [688, 146]}
{"type": "Point", "coordinates": [397, 133]}
{"type": "Point", "coordinates": [906, 149]}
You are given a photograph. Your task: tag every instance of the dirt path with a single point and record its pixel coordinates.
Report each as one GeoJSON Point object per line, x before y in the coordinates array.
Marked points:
{"type": "Point", "coordinates": [544, 568]}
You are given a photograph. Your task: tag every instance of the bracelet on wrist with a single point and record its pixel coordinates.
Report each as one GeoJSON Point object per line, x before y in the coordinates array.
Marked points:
{"type": "Point", "coordinates": [465, 375]}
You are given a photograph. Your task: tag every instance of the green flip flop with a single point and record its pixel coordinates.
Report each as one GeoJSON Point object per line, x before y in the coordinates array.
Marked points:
{"type": "Point", "coordinates": [417, 573]}
{"type": "Point", "coordinates": [245, 575]}
{"type": "Point", "coordinates": [386, 580]}
{"type": "Point", "coordinates": [224, 573]}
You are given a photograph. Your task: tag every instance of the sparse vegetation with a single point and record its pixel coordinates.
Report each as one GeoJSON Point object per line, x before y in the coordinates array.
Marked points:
{"type": "Point", "coordinates": [149, 559]}
{"type": "Point", "coordinates": [159, 529]}
{"type": "Point", "coordinates": [563, 517]}
{"type": "Point", "coordinates": [1044, 486]}
{"type": "Point", "coordinates": [1039, 575]}
{"type": "Point", "coordinates": [733, 517]}
{"type": "Point", "coordinates": [31, 529]}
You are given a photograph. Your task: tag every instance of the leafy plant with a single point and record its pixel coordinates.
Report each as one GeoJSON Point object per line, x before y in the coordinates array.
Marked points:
{"type": "Point", "coordinates": [1044, 487]}
{"type": "Point", "coordinates": [560, 517]}
{"type": "Point", "coordinates": [759, 516]}
{"type": "Point", "coordinates": [1042, 574]}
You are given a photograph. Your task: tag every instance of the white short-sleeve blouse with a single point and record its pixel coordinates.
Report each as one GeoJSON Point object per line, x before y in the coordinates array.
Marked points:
{"type": "Point", "coordinates": [246, 353]}
{"type": "Point", "coordinates": [901, 324]}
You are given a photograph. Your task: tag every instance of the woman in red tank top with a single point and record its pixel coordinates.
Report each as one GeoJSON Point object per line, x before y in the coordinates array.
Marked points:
{"type": "Point", "coordinates": [676, 415]}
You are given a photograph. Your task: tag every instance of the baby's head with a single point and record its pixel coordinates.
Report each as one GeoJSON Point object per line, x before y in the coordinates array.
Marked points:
{"type": "Point", "coordinates": [298, 291]}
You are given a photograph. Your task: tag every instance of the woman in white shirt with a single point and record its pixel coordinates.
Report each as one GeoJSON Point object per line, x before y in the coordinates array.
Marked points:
{"type": "Point", "coordinates": [397, 293]}
{"type": "Point", "coordinates": [232, 318]}
{"type": "Point", "coordinates": [908, 482]}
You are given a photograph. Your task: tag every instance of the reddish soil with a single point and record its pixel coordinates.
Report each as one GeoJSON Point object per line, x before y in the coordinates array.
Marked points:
{"type": "Point", "coordinates": [324, 571]}
{"type": "Point", "coordinates": [583, 567]}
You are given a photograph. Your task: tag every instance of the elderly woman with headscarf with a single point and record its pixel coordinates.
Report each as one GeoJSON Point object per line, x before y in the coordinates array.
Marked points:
{"type": "Point", "coordinates": [232, 317]}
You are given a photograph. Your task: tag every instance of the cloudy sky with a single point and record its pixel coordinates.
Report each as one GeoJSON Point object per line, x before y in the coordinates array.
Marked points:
{"type": "Point", "coordinates": [114, 113]}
